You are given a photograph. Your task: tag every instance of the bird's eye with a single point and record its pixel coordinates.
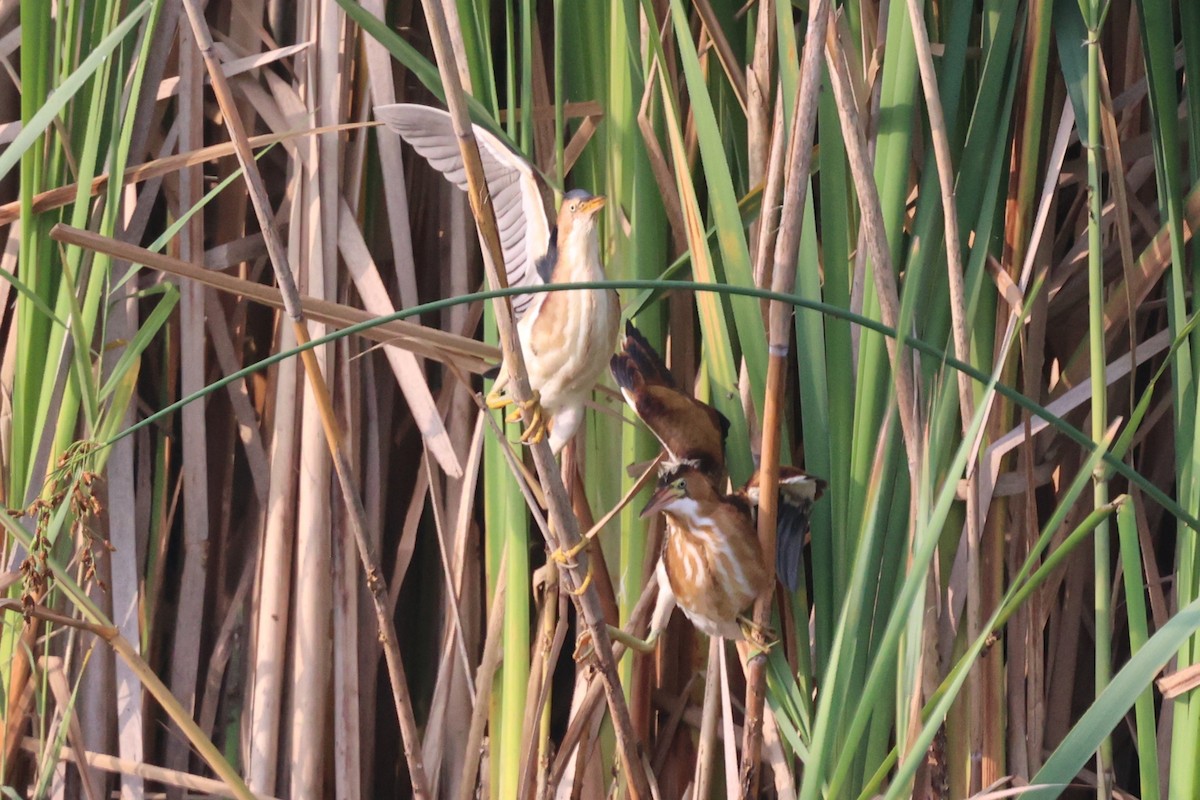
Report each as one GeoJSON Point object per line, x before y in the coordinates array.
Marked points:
{"type": "Point", "coordinates": [680, 484]}
{"type": "Point", "coordinates": [574, 206]}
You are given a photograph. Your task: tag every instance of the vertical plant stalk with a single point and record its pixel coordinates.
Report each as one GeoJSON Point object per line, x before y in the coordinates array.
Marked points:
{"type": "Point", "coordinates": [783, 280]}
{"type": "Point", "coordinates": [333, 435]}
{"type": "Point", "coordinates": [95, 621]}
{"type": "Point", "coordinates": [958, 306]}
{"type": "Point", "coordinates": [875, 235]}
{"type": "Point", "coordinates": [564, 528]}
{"type": "Point", "coordinates": [197, 523]}
{"type": "Point", "coordinates": [1100, 541]}
{"type": "Point", "coordinates": [484, 676]}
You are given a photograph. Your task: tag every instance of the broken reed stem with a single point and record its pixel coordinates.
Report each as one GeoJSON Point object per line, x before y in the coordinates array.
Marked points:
{"type": "Point", "coordinates": [563, 525]}
{"type": "Point", "coordinates": [451, 349]}
{"type": "Point", "coordinates": [409, 732]}
{"type": "Point", "coordinates": [783, 279]}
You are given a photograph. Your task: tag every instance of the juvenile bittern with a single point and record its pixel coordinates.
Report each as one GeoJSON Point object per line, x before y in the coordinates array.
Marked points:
{"type": "Point", "coordinates": [566, 337]}
{"type": "Point", "coordinates": [712, 565]}
{"type": "Point", "coordinates": [711, 560]}
{"type": "Point", "coordinates": [690, 431]}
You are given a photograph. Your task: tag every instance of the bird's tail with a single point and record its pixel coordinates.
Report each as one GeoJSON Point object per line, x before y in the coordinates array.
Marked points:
{"type": "Point", "coordinates": [625, 372]}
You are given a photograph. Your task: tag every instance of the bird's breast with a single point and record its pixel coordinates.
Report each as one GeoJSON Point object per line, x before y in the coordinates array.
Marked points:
{"type": "Point", "coordinates": [715, 574]}
{"type": "Point", "coordinates": [569, 340]}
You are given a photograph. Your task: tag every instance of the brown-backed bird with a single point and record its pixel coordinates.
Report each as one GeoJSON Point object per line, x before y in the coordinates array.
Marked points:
{"type": "Point", "coordinates": [566, 337]}
{"type": "Point", "coordinates": [690, 431]}
{"type": "Point", "coordinates": [712, 563]}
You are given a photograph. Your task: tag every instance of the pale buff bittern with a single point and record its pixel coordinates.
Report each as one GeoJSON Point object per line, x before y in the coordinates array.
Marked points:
{"type": "Point", "coordinates": [566, 337]}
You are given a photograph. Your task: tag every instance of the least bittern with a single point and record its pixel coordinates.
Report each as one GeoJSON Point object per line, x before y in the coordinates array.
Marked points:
{"type": "Point", "coordinates": [690, 431]}
{"type": "Point", "coordinates": [566, 337]}
{"type": "Point", "coordinates": [797, 492]}
{"type": "Point", "coordinates": [712, 564]}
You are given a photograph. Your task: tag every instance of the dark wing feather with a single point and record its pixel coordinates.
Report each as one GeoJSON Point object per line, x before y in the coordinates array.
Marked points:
{"type": "Point", "coordinates": [798, 491]}
{"type": "Point", "coordinates": [789, 547]}
{"type": "Point", "coordinates": [689, 430]}
{"type": "Point", "coordinates": [514, 187]}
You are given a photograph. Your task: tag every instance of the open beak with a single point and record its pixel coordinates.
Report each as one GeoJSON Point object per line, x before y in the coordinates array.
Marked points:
{"type": "Point", "coordinates": [591, 205]}
{"type": "Point", "coordinates": [661, 498]}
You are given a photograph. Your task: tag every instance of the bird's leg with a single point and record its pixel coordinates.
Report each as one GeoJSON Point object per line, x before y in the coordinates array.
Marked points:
{"type": "Point", "coordinates": [498, 396]}
{"type": "Point", "coordinates": [566, 559]}
{"type": "Point", "coordinates": [583, 587]}
{"type": "Point", "coordinates": [646, 645]}
{"type": "Point", "coordinates": [664, 604]}
{"type": "Point", "coordinates": [585, 649]}
{"type": "Point", "coordinates": [568, 556]}
{"type": "Point", "coordinates": [535, 431]}
{"type": "Point", "coordinates": [763, 639]}
{"type": "Point", "coordinates": [532, 405]}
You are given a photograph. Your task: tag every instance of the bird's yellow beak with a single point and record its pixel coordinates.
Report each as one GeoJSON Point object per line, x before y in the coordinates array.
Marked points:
{"type": "Point", "coordinates": [661, 498]}
{"type": "Point", "coordinates": [591, 205]}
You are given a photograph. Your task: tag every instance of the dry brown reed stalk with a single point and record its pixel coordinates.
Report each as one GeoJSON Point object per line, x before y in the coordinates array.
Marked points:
{"type": "Point", "coordinates": [357, 518]}
{"type": "Point", "coordinates": [927, 674]}
{"type": "Point", "coordinates": [64, 195]}
{"type": "Point", "coordinates": [875, 236]}
{"type": "Point", "coordinates": [706, 745]}
{"type": "Point", "coordinates": [125, 767]}
{"type": "Point", "coordinates": [484, 677]}
{"type": "Point", "coordinates": [198, 529]}
{"type": "Point", "coordinates": [783, 280]}
{"type": "Point", "coordinates": [51, 669]}
{"type": "Point", "coordinates": [548, 638]}
{"type": "Point", "coordinates": [564, 530]}
{"type": "Point", "coordinates": [582, 714]}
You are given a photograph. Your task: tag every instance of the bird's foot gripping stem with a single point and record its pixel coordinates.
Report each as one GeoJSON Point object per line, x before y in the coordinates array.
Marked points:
{"type": "Point", "coordinates": [531, 410]}
{"type": "Point", "coordinates": [566, 558]}
{"type": "Point", "coordinates": [536, 424]}
{"type": "Point", "coordinates": [760, 638]}
{"type": "Point", "coordinates": [498, 397]}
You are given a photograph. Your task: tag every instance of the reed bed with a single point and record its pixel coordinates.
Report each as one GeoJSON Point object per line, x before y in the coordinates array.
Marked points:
{"type": "Point", "coordinates": [264, 539]}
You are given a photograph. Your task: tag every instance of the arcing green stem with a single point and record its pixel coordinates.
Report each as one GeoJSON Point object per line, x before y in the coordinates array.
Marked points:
{"type": "Point", "coordinates": [1061, 425]}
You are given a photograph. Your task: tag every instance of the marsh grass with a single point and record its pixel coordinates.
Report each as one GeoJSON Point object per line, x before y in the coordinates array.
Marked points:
{"type": "Point", "coordinates": [185, 598]}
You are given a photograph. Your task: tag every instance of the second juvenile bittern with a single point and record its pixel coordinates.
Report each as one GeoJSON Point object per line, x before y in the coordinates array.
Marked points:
{"type": "Point", "coordinates": [566, 337]}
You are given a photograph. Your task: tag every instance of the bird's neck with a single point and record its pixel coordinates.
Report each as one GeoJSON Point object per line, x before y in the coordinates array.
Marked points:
{"type": "Point", "coordinates": [578, 259]}
{"type": "Point", "coordinates": [692, 514]}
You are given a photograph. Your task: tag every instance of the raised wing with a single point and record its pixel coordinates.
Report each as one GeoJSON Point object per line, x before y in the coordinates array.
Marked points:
{"type": "Point", "coordinates": [798, 491]}
{"type": "Point", "coordinates": [514, 187]}
{"type": "Point", "coordinates": [690, 431]}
